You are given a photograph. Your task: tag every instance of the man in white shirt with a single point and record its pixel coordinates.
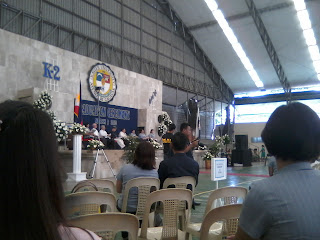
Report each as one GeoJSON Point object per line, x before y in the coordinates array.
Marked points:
{"type": "Point", "coordinates": [94, 130]}
{"type": "Point", "coordinates": [122, 133]}
{"type": "Point", "coordinates": [103, 133]}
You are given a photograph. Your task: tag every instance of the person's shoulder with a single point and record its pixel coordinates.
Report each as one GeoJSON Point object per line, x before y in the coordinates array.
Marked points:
{"type": "Point", "coordinates": [128, 166]}
{"type": "Point", "coordinates": [164, 135]}
{"type": "Point", "coordinates": [264, 185]}
{"type": "Point", "coordinates": [68, 233]}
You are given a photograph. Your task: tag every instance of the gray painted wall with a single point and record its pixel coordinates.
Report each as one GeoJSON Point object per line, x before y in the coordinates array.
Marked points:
{"type": "Point", "coordinates": [21, 68]}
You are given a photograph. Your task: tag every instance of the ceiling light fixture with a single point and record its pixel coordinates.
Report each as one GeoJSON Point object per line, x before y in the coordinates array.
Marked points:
{"type": "Point", "coordinates": [232, 38]}
{"type": "Point", "coordinates": [308, 34]}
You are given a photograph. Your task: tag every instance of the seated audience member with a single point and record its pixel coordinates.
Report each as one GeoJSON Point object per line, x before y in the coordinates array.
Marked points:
{"type": "Point", "coordinates": [31, 191]}
{"type": "Point", "coordinates": [113, 133]}
{"type": "Point", "coordinates": [166, 140]}
{"type": "Point", "coordinates": [103, 133]}
{"type": "Point", "coordinates": [152, 135]}
{"type": "Point", "coordinates": [104, 136]}
{"type": "Point", "coordinates": [122, 133]}
{"type": "Point", "coordinates": [113, 143]}
{"type": "Point", "coordinates": [272, 165]}
{"type": "Point", "coordinates": [142, 135]}
{"type": "Point", "coordinates": [286, 206]}
{"type": "Point", "coordinates": [179, 164]}
{"type": "Point", "coordinates": [143, 165]}
{"type": "Point", "coordinates": [133, 133]}
{"type": "Point", "coordinates": [94, 130]}
{"type": "Point", "coordinates": [124, 137]}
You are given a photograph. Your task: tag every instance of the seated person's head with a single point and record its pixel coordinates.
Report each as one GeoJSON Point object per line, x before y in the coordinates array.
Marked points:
{"type": "Point", "coordinates": [32, 194]}
{"type": "Point", "coordinates": [292, 133]}
{"type": "Point", "coordinates": [103, 127]}
{"type": "Point", "coordinates": [179, 142]}
{"type": "Point", "coordinates": [94, 125]}
{"type": "Point", "coordinates": [144, 156]}
{"type": "Point", "coordinates": [113, 129]}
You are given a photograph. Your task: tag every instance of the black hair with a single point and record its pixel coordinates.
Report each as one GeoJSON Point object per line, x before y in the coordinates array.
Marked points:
{"type": "Point", "coordinates": [179, 141]}
{"type": "Point", "coordinates": [31, 203]}
{"type": "Point", "coordinates": [184, 126]}
{"type": "Point", "coordinates": [32, 193]}
{"type": "Point", "coordinates": [293, 133]}
{"type": "Point", "coordinates": [172, 127]}
{"type": "Point", "coordinates": [144, 156]}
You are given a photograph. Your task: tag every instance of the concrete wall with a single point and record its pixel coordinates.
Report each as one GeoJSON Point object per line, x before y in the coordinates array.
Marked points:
{"type": "Point", "coordinates": [250, 129]}
{"type": "Point", "coordinates": [21, 68]}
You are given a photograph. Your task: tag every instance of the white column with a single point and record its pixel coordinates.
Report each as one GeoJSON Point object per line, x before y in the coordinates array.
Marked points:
{"type": "Point", "coordinates": [77, 146]}
{"type": "Point", "coordinates": [76, 174]}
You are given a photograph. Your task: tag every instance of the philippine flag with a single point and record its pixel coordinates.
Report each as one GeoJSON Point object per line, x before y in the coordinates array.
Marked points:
{"type": "Point", "coordinates": [77, 103]}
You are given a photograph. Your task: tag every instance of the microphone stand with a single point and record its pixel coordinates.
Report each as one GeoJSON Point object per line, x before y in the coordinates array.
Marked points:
{"type": "Point", "coordinates": [91, 173]}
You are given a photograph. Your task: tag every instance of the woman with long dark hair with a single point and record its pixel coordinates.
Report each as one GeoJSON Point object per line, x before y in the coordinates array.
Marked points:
{"type": "Point", "coordinates": [31, 191]}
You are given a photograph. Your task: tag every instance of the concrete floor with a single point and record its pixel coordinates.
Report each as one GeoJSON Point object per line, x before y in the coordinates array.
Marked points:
{"type": "Point", "coordinates": [237, 176]}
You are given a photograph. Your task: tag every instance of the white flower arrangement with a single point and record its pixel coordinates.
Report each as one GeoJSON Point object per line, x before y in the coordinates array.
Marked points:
{"type": "Point", "coordinates": [77, 128]}
{"type": "Point", "coordinates": [95, 144]}
{"type": "Point", "coordinates": [162, 129]}
{"type": "Point", "coordinates": [165, 121]}
{"type": "Point", "coordinates": [204, 147]}
{"type": "Point", "coordinates": [165, 117]}
{"type": "Point", "coordinates": [44, 102]}
{"type": "Point", "coordinates": [52, 115]}
{"type": "Point", "coordinates": [207, 156]}
{"type": "Point", "coordinates": [61, 130]}
{"type": "Point", "coordinates": [155, 144]}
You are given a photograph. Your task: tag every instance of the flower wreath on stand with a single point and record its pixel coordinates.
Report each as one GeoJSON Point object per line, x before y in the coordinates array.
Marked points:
{"type": "Point", "coordinates": [44, 103]}
{"type": "Point", "coordinates": [95, 144]}
{"type": "Point", "coordinates": [165, 121]}
{"type": "Point", "coordinates": [61, 130]}
{"type": "Point", "coordinates": [77, 128]}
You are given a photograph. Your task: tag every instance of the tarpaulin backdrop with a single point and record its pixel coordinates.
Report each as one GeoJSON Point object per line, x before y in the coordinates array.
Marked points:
{"type": "Point", "coordinates": [110, 115]}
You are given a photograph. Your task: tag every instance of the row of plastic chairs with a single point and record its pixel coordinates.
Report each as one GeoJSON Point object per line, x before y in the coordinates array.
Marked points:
{"type": "Point", "coordinates": [106, 225]}
{"type": "Point", "coordinates": [172, 208]}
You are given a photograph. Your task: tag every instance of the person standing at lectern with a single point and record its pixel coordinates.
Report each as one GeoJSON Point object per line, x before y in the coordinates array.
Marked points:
{"type": "Point", "coordinates": [186, 130]}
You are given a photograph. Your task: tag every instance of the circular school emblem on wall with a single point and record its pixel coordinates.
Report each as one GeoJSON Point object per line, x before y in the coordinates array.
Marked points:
{"type": "Point", "coordinates": [102, 82]}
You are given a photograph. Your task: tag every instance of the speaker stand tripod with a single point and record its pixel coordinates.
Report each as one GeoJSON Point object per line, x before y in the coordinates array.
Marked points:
{"type": "Point", "coordinates": [90, 175]}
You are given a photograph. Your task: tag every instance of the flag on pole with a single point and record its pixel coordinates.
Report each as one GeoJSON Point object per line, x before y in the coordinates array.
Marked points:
{"type": "Point", "coordinates": [77, 104]}
{"type": "Point", "coordinates": [198, 128]}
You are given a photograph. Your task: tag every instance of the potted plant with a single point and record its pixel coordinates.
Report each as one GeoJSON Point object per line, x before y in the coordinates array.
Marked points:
{"type": "Point", "coordinates": [95, 144]}
{"type": "Point", "coordinates": [207, 158]}
{"type": "Point", "coordinates": [130, 148]}
{"type": "Point", "coordinates": [215, 149]}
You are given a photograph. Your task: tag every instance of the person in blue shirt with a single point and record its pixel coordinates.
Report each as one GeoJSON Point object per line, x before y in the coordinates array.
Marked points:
{"type": "Point", "coordinates": [286, 205]}
{"type": "Point", "coordinates": [179, 165]}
